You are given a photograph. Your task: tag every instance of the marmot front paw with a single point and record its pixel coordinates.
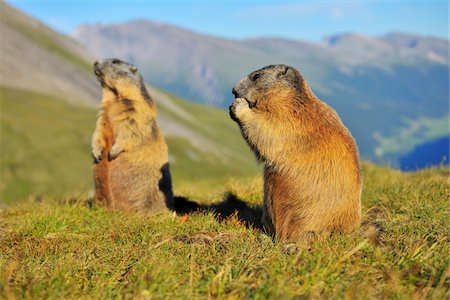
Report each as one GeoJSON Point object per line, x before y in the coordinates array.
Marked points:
{"type": "Point", "coordinates": [237, 107]}
{"type": "Point", "coordinates": [114, 152]}
{"type": "Point", "coordinates": [97, 154]}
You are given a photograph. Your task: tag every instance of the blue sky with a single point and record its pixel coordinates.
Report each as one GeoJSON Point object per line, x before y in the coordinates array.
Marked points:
{"type": "Point", "coordinates": [304, 20]}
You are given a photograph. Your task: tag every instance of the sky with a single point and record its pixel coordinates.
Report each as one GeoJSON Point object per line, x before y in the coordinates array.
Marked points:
{"type": "Point", "coordinates": [302, 20]}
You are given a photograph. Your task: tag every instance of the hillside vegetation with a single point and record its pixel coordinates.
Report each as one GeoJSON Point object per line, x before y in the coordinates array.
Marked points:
{"type": "Point", "coordinates": [57, 248]}
{"type": "Point", "coordinates": [45, 145]}
{"type": "Point", "coordinates": [48, 146]}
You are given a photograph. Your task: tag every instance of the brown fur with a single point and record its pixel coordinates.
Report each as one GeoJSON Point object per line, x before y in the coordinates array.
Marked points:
{"type": "Point", "coordinates": [131, 170]}
{"type": "Point", "coordinates": [312, 178]}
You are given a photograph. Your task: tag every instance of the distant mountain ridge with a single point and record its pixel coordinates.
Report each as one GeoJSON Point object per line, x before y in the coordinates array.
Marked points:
{"type": "Point", "coordinates": [391, 91]}
{"type": "Point", "coordinates": [167, 48]}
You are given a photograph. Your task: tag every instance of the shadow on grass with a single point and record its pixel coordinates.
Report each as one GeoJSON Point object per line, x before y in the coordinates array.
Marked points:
{"type": "Point", "coordinates": [229, 206]}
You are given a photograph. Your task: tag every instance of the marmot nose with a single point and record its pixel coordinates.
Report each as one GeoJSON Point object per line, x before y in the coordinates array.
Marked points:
{"type": "Point", "coordinates": [98, 67]}
{"type": "Point", "coordinates": [235, 93]}
{"type": "Point", "coordinates": [97, 62]}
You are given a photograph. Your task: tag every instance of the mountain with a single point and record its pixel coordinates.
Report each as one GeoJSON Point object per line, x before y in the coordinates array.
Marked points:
{"type": "Point", "coordinates": [48, 100]}
{"type": "Point", "coordinates": [391, 91]}
{"type": "Point", "coordinates": [36, 58]}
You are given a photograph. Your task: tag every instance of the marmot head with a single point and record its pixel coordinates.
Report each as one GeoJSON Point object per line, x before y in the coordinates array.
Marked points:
{"type": "Point", "coordinates": [259, 86]}
{"type": "Point", "coordinates": [119, 76]}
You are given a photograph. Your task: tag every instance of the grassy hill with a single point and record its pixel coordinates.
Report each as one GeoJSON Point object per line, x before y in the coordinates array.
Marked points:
{"type": "Point", "coordinates": [48, 145]}
{"type": "Point", "coordinates": [67, 249]}
{"type": "Point", "coordinates": [45, 145]}
{"type": "Point", "coordinates": [220, 151]}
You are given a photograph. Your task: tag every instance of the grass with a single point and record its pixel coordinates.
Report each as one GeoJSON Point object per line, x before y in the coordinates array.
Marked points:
{"type": "Point", "coordinates": [55, 248]}
{"type": "Point", "coordinates": [45, 146]}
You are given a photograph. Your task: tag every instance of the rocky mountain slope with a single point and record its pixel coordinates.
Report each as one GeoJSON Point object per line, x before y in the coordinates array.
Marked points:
{"type": "Point", "coordinates": [391, 91]}
{"type": "Point", "coordinates": [34, 57]}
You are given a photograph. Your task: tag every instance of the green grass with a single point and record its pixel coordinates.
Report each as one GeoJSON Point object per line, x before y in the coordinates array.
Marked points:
{"type": "Point", "coordinates": [62, 249]}
{"type": "Point", "coordinates": [45, 148]}
{"type": "Point", "coordinates": [188, 163]}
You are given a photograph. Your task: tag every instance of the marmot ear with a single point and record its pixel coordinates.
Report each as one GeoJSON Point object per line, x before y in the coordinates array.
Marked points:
{"type": "Point", "coordinates": [133, 69]}
{"type": "Point", "coordinates": [286, 70]}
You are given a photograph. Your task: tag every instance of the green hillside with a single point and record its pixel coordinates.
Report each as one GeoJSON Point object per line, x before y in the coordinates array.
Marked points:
{"type": "Point", "coordinates": [224, 145]}
{"type": "Point", "coordinates": [66, 249]}
{"type": "Point", "coordinates": [46, 146]}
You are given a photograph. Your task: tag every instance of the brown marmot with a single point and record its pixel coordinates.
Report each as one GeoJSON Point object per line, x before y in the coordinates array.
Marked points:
{"type": "Point", "coordinates": [312, 175]}
{"type": "Point", "coordinates": [131, 166]}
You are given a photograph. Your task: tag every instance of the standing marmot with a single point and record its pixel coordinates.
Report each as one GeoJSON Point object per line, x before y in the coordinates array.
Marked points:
{"type": "Point", "coordinates": [131, 170]}
{"type": "Point", "coordinates": [312, 177]}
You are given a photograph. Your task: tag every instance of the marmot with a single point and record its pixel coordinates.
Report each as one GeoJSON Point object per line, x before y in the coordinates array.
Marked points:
{"type": "Point", "coordinates": [131, 166]}
{"type": "Point", "coordinates": [312, 175]}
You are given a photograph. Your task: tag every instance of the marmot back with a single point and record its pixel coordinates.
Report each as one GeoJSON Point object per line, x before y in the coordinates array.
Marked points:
{"type": "Point", "coordinates": [312, 178]}
{"type": "Point", "coordinates": [131, 170]}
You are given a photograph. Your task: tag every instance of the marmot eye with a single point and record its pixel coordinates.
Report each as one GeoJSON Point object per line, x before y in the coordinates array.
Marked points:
{"type": "Point", "coordinates": [256, 76]}
{"type": "Point", "coordinates": [115, 61]}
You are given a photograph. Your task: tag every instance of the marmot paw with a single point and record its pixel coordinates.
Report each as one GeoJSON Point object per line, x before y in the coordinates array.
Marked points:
{"type": "Point", "coordinates": [114, 152]}
{"type": "Point", "coordinates": [97, 155]}
{"type": "Point", "coordinates": [236, 107]}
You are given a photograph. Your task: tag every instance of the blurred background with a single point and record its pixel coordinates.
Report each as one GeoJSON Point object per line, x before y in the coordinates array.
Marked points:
{"type": "Point", "coordinates": [383, 65]}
